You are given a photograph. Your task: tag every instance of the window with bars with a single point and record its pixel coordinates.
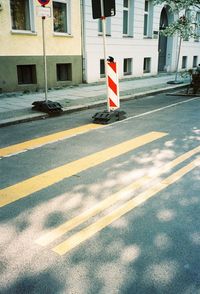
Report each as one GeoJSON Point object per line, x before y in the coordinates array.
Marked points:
{"type": "Point", "coordinates": [26, 74]}
{"type": "Point", "coordinates": [64, 71]}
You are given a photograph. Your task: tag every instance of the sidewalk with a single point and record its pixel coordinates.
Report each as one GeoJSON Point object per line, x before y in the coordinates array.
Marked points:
{"type": "Point", "coordinates": [17, 107]}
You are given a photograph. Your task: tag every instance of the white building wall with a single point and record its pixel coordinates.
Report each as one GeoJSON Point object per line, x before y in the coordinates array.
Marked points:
{"type": "Point", "coordinates": [119, 47]}
{"type": "Point", "coordinates": [136, 47]}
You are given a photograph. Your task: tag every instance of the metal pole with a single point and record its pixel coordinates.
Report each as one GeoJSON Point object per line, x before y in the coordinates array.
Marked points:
{"type": "Point", "coordinates": [44, 59]}
{"type": "Point", "coordinates": [103, 20]}
{"type": "Point", "coordinates": [179, 50]}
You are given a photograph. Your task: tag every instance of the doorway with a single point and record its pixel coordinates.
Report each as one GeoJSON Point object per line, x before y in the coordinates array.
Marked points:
{"type": "Point", "coordinates": [162, 43]}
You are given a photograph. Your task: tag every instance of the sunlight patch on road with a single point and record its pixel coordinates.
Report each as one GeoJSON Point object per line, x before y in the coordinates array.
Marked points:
{"type": "Point", "coordinates": [34, 184]}
{"type": "Point", "coordinates": [103, 222]}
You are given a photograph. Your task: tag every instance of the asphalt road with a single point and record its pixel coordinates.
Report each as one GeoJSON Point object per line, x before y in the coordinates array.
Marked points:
{"type": "Point", "coordinates": [103, 209]}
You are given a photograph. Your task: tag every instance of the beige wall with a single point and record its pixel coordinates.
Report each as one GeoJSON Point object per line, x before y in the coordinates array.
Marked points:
{"type": "Point", "coordinates": [18, 44]}
{"type": "Point", "coordinates": [26, 48]}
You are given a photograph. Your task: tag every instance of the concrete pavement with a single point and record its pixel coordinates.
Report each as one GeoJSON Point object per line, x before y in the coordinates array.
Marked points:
{"type": "Point", "coordinates": [17, 107]}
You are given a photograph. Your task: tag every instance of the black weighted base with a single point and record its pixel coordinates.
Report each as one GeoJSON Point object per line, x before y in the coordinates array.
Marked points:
{"type": "Point", "coordinates": [106, 117]}
{"type": "Point", "coordinates": [175, 82]}
{"type": "Point", "coordinates": [50, 107]}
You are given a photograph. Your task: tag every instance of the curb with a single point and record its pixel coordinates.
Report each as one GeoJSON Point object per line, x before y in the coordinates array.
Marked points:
{"type": "Point", "coordinates": [71, 109]}
{"type": "Point", "coordinates": [22, 119]}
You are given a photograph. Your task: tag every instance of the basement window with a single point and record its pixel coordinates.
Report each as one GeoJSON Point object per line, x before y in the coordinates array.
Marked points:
{"type": "Point", "coordinates": [195, 59]}
{"type": "Point", "coordinates": [64, 71]}
{"type": "Point", "coordinates": [102, 68]}
{"type": "Point", "coordinates": [147, 65]}
{"type": "Point", "coordinates": [26, 74]}
{"type": "Point", "coordinates": [127, 66]}
{"type": "Point", "coordinates": [184, 61]}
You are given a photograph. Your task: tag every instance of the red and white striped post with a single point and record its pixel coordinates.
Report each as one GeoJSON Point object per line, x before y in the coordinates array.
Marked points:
{"type": "Point", "coordinates": [110, 71]}
{"type": "Point", "coordinates": [113, 85]}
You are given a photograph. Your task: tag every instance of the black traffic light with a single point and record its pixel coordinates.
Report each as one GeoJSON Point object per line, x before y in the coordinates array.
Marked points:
{"type": "Point", "coordinates": [109, 8]}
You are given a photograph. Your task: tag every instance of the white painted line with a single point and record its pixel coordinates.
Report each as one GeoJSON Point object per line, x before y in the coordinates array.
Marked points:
{"type": "Point", "coordinates": [156, 110]}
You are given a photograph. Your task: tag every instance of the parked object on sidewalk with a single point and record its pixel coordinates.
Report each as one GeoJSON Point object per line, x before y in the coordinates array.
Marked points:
{"type": "Point", "coordinates": [48, 106]}
{"type": "Point", "coordinates": [106, 117]}
{"type": "Point", "coordinates": [72, 99]}
{"type": "Point", "coordinates": [195, 84]}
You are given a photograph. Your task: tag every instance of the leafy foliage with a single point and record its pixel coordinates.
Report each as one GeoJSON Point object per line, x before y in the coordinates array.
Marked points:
{"type": "Point", "coordinates": [179, 4]}
{"type": "Point", "coordinates": [182, 27]}
{"type": "Point", "coordinates": [186, 25]}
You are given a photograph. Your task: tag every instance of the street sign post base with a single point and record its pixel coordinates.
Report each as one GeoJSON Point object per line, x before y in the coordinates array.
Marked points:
{"type": "Point", "coordinates": [50, 107]}
{"type": "Point", "coordinates": [175, 82]}
{"type": "Point", "coordinates": [106, 117]}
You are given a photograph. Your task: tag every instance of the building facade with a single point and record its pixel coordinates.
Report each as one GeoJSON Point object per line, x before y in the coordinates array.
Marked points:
{"type": "Point", "coordinates": [134, 40]}
{"type": "Point", "coordinates": [21, 45]}
{"type": "Point", "coordinates": [74, 43]}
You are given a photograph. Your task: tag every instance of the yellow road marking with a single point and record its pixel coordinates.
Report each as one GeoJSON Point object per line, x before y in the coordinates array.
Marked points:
{"type": "Point", "coordinates": [103, 222]}
{"type": "Point", "coordinates": [76, 221]}
{"type": "Point", "coordinates": [34, 143]}
{"type": "Point", "coordinates": [39, 182]}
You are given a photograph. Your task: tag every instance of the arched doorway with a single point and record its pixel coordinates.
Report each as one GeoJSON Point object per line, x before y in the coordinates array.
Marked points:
{"type": "Point", "coordinates": [162, 43]}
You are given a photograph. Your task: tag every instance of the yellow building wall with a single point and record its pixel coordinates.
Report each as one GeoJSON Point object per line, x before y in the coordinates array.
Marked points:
{"type": "Point", "coordinates": [20, 44]}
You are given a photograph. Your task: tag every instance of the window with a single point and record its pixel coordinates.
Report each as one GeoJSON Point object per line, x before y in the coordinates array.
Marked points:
{"type": "Point", "coordinates": [148, 18]}
{"type": "Point", "coordinates": [197, 30]}
{"type": "Point", "coordinates": [128, 14]}
{"type": "Point", "coordinates": [147, 65]}
{"type": "Point", "coordinates": [26, 74]}
{"type": "Point", "coordinates": [195, 59]}
{"type": "Point", "coordinates": [127, 66]}
{"type": "Point", "coordinates": [64, 71]}
{"type": "Point", "coordinates": [102, 68]}
{"type": "Point", "coordinates": [61, 16]}
{"type": "Point", "coordinates": [108, 26]}
{"type": "Point", "coordinates": [188, 16]}
{"type": "Point", "coordinates": [184, 61]}
{"type": "Point", "coordinates": [126, 6]}
{"type": "Point", "coordinates": [22, 15]}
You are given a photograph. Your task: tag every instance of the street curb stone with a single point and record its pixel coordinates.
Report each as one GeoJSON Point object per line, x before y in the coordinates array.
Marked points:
{"type": "Point", "coordinates": [81, 107]}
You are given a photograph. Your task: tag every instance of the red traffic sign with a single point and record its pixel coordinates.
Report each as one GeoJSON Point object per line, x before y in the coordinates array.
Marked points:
{"type": "Point", "coordinates": [43, 2]}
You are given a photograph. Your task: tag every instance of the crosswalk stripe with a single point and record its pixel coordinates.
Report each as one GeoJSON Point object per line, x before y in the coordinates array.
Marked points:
{"type": "Point", "coordinates": [103, 222]}
{"type": "Point", "coordinates": [41, 181]}
{"type": "Point", "coordinates": [38, 142]}
{"type": "Point", "coordinates": [111, 200]}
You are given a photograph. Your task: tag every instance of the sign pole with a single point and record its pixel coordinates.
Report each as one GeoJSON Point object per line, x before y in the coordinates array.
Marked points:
{"type": "Point", "coordinates": [100, 10]}
{"type": "Point", "coordinates": [103, 21]}
{"type": "Point", "coordinates": [44, 58]}
{"type": "Point", "coordinates": [46, 105]}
